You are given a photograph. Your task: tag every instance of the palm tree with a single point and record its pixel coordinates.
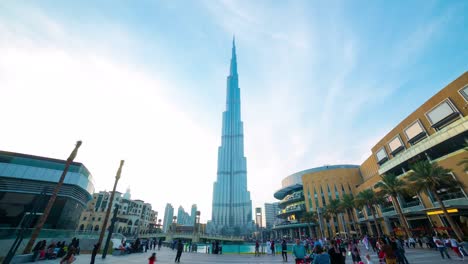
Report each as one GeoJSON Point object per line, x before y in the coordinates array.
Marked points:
{"type": "Point", "coordinates": [310, 218]}
{"type": "Point", "coordinates": [347, 204]}
{"type": "Point", "coordinates": [327, 216]}
{"type": "Point", "coordinates": [391, 186]}
{"type": "Point", "coordinates": [368, 198]}
{"type": "Point", "coordinates": [464, 160]}
{"type": "Point", "coordinates": [334, 209]}
{"type": "Point", "coordinates": [430, 176]}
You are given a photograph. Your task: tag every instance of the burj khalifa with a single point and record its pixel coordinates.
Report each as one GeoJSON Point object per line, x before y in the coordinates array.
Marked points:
{"type": "Point", "coordinates": [232, 207]}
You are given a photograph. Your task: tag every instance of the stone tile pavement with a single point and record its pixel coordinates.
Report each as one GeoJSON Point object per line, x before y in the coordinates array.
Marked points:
{"type": "Point", "coordinates": [415, 256]}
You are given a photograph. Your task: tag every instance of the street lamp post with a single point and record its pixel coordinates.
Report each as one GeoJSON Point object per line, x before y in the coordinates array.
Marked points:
{"type": "Point", "coordinates": [111, 230]}
{"type": "Point", "coordinates": [109, 207]}
{"type": "Point", "coordinates": [52, 199]}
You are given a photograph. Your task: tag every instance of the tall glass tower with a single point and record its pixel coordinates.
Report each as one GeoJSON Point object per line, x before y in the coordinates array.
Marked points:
{"type": "Point", "coordinates": [232, 207]}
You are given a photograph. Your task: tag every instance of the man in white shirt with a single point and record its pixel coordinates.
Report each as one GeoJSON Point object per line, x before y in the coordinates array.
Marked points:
{"type": "Point", "coordinates": [441, 247]}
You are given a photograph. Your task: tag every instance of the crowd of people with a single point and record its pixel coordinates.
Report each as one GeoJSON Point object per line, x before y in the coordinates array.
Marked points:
{"type": "Point", "coordinates": [389, 249]}
{"type": "Point", "coordinates": [54, 250]}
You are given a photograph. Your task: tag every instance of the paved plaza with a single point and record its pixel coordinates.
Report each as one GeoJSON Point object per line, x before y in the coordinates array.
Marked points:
{"type": "Point", "coordinates": [415, 256]}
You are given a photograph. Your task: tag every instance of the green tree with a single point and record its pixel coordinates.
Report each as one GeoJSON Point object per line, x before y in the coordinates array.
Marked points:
{"type": "Point", "coordinates": [391, 186]}
{"type": "Point", "coordinates": [334, 209]}
{"type": "Point", "coordinates": [310, 218]}
{"type": "Point", "coordinates": [347, 204]}
{"type": "Point", "coordinates": [369, 199]}
{"type": "Point", "coordinates": [464, 160]}
{"type": "Point", "coordinates": [326, 215]}
{"type": "Point", "coordinates": [430, 176]}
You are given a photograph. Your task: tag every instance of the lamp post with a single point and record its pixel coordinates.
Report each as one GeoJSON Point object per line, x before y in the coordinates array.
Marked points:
{"type": "Point", "coordinates": [109, 207]}
{"type": "Point", "coordinates": [111, 230]}
{"type": "Point", "coordinates": [52, 199]}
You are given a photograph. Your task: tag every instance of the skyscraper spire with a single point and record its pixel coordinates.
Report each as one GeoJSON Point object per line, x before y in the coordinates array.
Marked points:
{"type": "Point", "coordinates": [233, 71]}
{"type": "Point", "coordinates": [232, 207]}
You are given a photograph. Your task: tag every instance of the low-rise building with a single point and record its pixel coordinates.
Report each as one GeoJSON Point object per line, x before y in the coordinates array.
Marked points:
{"type": "Point", "coordinates": [134, 217]}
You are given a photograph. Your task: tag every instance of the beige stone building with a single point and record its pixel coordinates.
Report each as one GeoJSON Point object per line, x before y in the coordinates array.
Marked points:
{"type": "Point", "coordinates": [134, 217]}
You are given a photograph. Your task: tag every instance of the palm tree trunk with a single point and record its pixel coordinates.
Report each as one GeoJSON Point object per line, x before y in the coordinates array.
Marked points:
{"type": "Point", "coordinates": [449, 218]}
{"type": "Point", "coordinates": [357, 226]}
{"type": "Point", "coordinates": [375, 221]}
{"type": "Point", "coordinates": [338, 222]}
{"type": "Point", "coordinates": [402, 216]}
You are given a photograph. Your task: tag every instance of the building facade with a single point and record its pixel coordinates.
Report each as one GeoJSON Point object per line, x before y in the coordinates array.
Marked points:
{"type": "Point", "coordinates": [168, 215]}
{"type": "Point", "coordinates": [23, 179]}
{"type": "Point", "coordinates": [232, 207]}
{"type": "Point", "coordinates": [270, 212]}
{"type": "Point", "coordinates": [436, 132]}
{"type": "Point", "coordinates": [134, 217]}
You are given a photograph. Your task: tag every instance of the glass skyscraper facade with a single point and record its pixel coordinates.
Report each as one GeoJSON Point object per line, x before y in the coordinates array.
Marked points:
{"type": "Point", "coordinates": [24, 177]}
{"type": "Point", "coordinates": [232, 207]}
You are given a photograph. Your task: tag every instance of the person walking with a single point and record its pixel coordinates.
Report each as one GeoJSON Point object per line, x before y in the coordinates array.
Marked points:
{"type": "Point", "coordinates": [355, 254]}
{"type": "Point", "coordinates": [152, 259]}
{"type": "Point", "coordinates": [159, 244]}
{"type": "Point", "coordinates": [441, 247]}
{"type": "Point", "coordinates": [180, 249]}
{"type": "Point", "coordinates": [284, 250]}
{"type": "Point", "coordinates": [94, 252]}
{"type": "Point", "coordinates": [257, 247]}
{"type": "Point", "coordinates": [272, 246]}
{"type": "Point", "coordinates": [298, 251]}
{"type": "Point", "coordinates": [336, 256]}
{"type": "Point", "coordinates": [455, 246]}
{"type": "Point", "coordinates": [321, 256]}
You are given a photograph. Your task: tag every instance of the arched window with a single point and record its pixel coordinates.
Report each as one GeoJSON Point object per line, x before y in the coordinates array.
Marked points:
{"type": "Point", "coordinates": [96, 228]}
{"type": "Point", "coordinates": [120, 230]}
{"type": "Point", "coordinates": [81, 227]}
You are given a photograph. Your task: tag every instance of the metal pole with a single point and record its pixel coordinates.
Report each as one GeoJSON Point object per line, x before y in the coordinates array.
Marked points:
{"type": "Point", "coordinates": [111, 230]}
{"type": "Point", "coordinates": [109, 207]}
{"type": "Point", "coordinates": [52, 199]}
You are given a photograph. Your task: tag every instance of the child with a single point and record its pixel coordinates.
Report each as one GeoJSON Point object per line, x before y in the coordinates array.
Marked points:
{"type": "Point", "coordinates": [369, 261]}
{"type": "Point", "coordinates": [152, 259]}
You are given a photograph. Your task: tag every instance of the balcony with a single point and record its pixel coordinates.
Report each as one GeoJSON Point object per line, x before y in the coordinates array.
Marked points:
{"type": "Point", "coordinates": [292, 209]}
{"type": "Point", "coordinates": [289, 199]}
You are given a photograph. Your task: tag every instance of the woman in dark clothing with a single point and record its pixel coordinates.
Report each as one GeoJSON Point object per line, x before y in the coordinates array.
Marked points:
{"type": "Point", "coordinates": [284, 250]}
{"type": "Point", "coordinates": [336, 256]}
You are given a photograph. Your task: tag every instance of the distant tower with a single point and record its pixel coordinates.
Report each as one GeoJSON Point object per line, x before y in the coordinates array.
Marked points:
{"type": "Point", "coordinates": [232, 207]}
{"type": "Point", "coordinates": [168, 214]}
{"type": "Point", "coordinates": [193, 214]}
{"type": "Point", "coordinates": [127, 194]}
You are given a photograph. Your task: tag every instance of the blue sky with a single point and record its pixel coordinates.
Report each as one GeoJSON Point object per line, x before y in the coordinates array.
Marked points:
{"type": "Point", "coordinates": [321, 82]}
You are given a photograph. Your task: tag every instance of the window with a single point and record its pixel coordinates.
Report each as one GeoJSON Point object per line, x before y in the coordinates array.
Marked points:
{"type": "Point", "coordinates": [382, 156]}
{"type": "Point", "coordinates": [99, 219]}
{"type": "Point", "coordinates": [464, 92]}
{"type": "Point", "coordinates": [415, 132]}
{"type": "Point", "coordinates": [442, 114]}
{"type": "Point", "coordinates": [84, 218]}
{"type": "Point", "coordinates": [94, 218]}
{"type": "Point", "coordinates": [396, 145]}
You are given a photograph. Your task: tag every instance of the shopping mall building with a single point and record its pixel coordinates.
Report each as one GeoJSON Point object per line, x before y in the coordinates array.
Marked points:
{"type": "Point", "coordinates": [436, 131]}
{"type": "Point", "coordinates": [26, 180]}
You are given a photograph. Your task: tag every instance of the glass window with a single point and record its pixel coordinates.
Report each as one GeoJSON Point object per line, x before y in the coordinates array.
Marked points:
{"type": "Point", "coordinates": [464, 92]}
{"type": "Point", "coordinates": [441, 112]}
{"type": "Point", "coordinates": [337, 195]}
{"type": "Point", "coordinates": [414, 131]}
{"type": "Point", "coordinates": [381, 155]}
{"type": "Point", "coordinates": [395, 144]}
